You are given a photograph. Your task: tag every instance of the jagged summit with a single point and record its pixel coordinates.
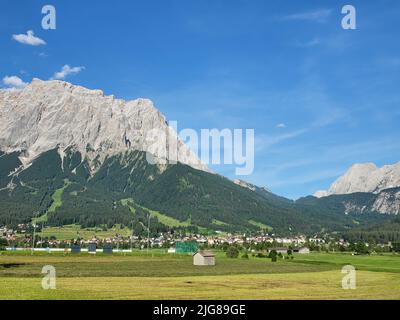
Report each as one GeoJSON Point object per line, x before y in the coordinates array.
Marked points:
{"type": "Point", "coordinates": [250, 186]}
{"type": "Point", "coordinates": [366, 177]}
{"type": "Point", "coordinates": [55, 114]}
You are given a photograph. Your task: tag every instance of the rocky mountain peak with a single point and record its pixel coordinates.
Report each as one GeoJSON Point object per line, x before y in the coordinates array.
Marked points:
{"type": "Point", "coordinates": [55, 114]}
{"type": "Point", "coordinates": [366, 177]}
{"type": "Point", "coordinates": [250, 186]}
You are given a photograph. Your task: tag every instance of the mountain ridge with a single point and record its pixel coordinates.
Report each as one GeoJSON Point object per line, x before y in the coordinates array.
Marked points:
{"type": "Point", "coordinates": [49, 114]}
{"type": "Point", "coordinates": [366, 177]}
{"type": "Point", "coordinates": [74, 156]}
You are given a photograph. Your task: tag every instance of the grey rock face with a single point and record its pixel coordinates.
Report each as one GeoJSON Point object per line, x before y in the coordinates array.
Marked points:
{"type": "Point", "coordinates": [388, 202]}
{"type": "Point", "coordinates": [56, 114]}
{"type": "Point", "coordinates": [365, 178]}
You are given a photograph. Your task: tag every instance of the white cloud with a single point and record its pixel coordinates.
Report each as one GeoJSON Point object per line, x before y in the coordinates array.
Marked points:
{"type": "Point", "coordinates": [281, 125]}
{"type": "Point", "coordinates": [317, 16]}
{"type": "Point", "coordinates": [66, 71]}
{"type": "Point", "coordinates": [263, 141]}
{"type": "Point", "coordinates": [308, 44]}
{"type": "Point", "coordinates": [306, 177]}
{"type": "Point", "coordinates": [14, 82]}
{"type": "Point", "coordinates": [28, 39]}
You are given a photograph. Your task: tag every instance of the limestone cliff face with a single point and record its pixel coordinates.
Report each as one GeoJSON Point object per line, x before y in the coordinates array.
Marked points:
{"type": "Point", "coordinates": [365, 178]}
{"type": "Point", "coordinates": [387, 201]}
{"type": "Point", "coordinates": [382, 184]}
{"type": "Point", "coordinates": [54, 114]}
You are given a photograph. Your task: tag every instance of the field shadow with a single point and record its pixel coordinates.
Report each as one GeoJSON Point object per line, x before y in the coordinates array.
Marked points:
{"type": "Point", "coordinates": [11, 265]}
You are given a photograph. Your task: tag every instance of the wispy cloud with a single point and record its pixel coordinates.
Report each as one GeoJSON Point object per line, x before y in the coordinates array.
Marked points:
{"type": "Point", "coordinates": [66, 71]}
{"type": "Point", "coordinates": [320, 16]}
{"type": "Point", "coordinates": [308, 44]}
{"type": "Point", "coordinates": [328, 162]}
{"type": "Point", "coordinates": [304, 178]}
{"type": "Point", "coordinates": [29, 39]}
{"type": "Point", "coordinates": [264, 141]}
{"type": "Point", "coordinates": [281, 125]}
{"type": "Point", "coordinates": [14, 82]}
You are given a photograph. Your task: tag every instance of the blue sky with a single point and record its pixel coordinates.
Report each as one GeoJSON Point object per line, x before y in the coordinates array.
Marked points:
{"type": "Point", "coordinates": [235, 64]}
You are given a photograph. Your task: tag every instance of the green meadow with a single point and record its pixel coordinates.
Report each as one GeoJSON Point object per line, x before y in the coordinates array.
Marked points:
{"type": "Point", "coordinates": [158, 275]}
{"type": "Point", "coordinates": [74, 231]}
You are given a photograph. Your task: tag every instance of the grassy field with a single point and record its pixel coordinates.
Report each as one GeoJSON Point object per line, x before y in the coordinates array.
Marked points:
{"type": "Point", "coordinates": [162, 276]}
{"type": "Point", "coordinates": [73, 231]}
{"type": "Point", "coordinates": [57, 202]}
{"type": "Point", "coordinates": [162, 218]}
{"type": "Point", "coordinates": [260, 225]}
{"type": "Point", "coordinates": [57, 198]}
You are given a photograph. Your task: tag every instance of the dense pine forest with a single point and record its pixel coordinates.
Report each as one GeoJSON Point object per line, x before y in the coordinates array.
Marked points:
{"type": "Point", "coordinates": [66, 191]}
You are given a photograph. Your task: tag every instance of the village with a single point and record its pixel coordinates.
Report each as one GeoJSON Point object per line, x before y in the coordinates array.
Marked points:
{"type": "Point", "coordinates": [22, 239]}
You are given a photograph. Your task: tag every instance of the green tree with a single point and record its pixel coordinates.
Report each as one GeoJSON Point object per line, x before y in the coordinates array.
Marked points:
{"type": "Point", "coordinates": [3, 243]}
{"type": "Point", "coordinates": [396, 246]}
{"type": "Point", "coordinates": [273, 255]}
{"type": "Point", "coordinates": [232, 252]}
{"type": "Point", "coordinates": [361, 248]}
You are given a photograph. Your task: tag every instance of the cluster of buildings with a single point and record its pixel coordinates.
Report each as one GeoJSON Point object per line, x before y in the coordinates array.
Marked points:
{"type": "Point", "coordinates": [8, 234]}
{"type": "Point", "coordinates": [22, 238]}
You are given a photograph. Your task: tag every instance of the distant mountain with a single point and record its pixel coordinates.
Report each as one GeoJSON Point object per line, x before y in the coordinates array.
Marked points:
{"type": "Point", "coordinates": [386, 202]}
{"type": "Point", "coordinates": [365, 178]}
{"type": "Point", "coordinates": [364, 188]}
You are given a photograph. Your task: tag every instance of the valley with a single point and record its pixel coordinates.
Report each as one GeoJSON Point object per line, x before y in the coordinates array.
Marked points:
{"type": "Point", "coordinates": [82, 277]}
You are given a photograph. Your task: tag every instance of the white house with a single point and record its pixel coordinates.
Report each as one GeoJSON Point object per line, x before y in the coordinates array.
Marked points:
{"type": "Point", "coordinates": [279, 250]}
{"type": "Point", "coordinates": [203, 258]}
{"type": "Point", "coordinates": [304, 250]}
{"type": "Point", "coordinates": [171, 250]}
